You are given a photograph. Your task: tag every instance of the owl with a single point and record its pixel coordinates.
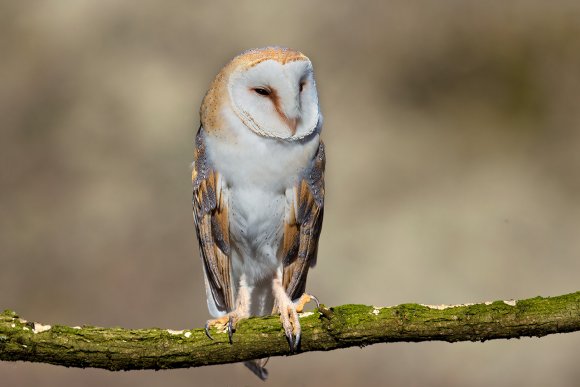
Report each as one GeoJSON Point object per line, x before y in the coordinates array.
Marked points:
{"type": "Point", "coordinates": [258, 189]}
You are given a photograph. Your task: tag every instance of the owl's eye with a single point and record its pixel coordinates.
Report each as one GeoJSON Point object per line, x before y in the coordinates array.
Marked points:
{"type": "Point", "coordinates": [301, 86]}
{"type": "Point", "coordinates": [262, 91]}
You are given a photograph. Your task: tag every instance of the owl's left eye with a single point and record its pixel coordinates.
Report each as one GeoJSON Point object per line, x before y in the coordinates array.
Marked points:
{"type": "Point", "coordinates": [262, 91]}
{"type": "Point", "coordinates": [301, 86]}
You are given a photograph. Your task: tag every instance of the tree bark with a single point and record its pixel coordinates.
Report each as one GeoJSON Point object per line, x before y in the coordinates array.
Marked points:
{"type": "Point", "coordinates": [324, 329]}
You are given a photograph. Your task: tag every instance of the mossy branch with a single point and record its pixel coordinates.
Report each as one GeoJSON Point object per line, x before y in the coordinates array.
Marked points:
{"type": "Point", "coordinates": [324, 329]}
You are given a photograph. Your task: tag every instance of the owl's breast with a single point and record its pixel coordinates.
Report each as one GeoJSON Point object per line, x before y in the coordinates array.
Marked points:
{"type": "Point", "coordinates": [246, 159]}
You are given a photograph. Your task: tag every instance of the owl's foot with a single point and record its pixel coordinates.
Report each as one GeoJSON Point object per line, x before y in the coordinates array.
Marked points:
{"type": "Point", "coordinates": [289, 317]}
{"type": "Point", "coordinates": [228, 322]}
{"type": "Point", "coordinates": [299, 305]}
{"type": "Point", "coordinates": [223, 324]}
{"type": "Point", "coordinates": [305, 299]}
{"type": "Point", "coordinates": [291, 324]}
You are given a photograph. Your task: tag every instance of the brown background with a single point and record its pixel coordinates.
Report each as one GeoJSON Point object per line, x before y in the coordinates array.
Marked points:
{"type": "Point", "coordinates": [453, 139]}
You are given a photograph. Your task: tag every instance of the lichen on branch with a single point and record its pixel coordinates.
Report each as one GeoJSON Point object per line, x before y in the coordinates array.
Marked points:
{"type": "Point", "coordinates": [324, 329]}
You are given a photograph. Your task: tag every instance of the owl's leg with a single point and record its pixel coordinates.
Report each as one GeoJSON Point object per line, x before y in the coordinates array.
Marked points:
{"type": "Point", "coordinates": [289, 312]}
{"type": "Point", "coordinates": [228, 322]}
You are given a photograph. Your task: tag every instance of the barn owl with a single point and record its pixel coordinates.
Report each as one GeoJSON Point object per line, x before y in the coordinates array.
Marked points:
{"type": "Point", "coordinates": [258, 189]}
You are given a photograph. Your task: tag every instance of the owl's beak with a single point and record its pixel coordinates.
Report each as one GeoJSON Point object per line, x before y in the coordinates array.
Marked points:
{"type": "Point", "coordinates": [292, 124]}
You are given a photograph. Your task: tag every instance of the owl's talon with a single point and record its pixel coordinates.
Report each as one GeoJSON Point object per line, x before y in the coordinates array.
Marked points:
{"type": "Point", "coordinates": [297, 341]}
{"type": "Point", "coordinates": [290, 341]}
{"type": "Point", "coordinates": [316, 301]}
{"type": "Point", "coordinates": [230, 329]}
{"type": "Point", "coordinates": [223, 324]}
{"type": "Point", "coordinates": [305, 299]}
{"type": "Point", "coordinates": [207, 330]}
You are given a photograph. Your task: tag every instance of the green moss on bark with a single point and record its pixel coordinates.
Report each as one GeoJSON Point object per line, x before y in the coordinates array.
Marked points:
{"type": "Point", "coordinates": [325, 329]}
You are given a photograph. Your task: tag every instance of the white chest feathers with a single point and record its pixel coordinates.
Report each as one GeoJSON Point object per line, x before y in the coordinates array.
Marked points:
{"type": "Point", "coordinates": [246, 159]}
{"type": "Point", "coordinates": [259, 175]}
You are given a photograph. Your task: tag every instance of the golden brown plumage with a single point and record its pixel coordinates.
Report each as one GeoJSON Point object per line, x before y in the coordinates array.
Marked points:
{"type": "Point", "coordinates": [212, 226]}
{"type": "Point", "coordinates": [301, 233]}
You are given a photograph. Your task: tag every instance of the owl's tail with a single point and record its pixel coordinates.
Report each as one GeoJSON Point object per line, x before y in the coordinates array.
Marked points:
{"type": "Point", "coordinates": [257, 367]}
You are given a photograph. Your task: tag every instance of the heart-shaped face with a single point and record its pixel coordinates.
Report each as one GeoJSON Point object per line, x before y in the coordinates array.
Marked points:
{"type": "Point", "coordinates": [276, 99]}
{"type": "Point", "coordinates": [271, 91]}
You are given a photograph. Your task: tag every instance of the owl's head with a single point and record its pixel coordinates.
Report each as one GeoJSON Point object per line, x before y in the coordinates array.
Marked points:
{"type": "Point", "coordinates": [271, 91]}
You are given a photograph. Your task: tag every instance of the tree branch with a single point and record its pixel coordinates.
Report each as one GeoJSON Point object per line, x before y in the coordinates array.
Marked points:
{"type": "Point", "coordinates": [324, 329]}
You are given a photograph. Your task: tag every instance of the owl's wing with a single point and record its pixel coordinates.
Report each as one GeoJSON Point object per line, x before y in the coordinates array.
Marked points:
{"type": "Point", "coordinates": [302, 227]}
{"type": "Point", "coordinates": [210, 213]}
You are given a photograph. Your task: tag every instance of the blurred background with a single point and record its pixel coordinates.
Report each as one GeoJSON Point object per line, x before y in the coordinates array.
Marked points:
{"type": "Point", "coordinates": [453, 144]}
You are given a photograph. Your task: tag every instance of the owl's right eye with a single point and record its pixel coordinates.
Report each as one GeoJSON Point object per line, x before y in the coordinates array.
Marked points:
{"type": "Point", "coordinates": [262, 91]}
